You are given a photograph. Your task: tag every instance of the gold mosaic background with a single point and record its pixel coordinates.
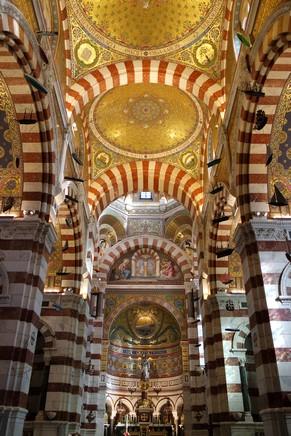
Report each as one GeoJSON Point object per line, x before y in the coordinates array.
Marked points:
{"type": "Point", "coordinates": [144, 120]}
{"type": "Point", "coordinates": [132, 28]}
{"type": "Point", "coordinates": [11, 165]}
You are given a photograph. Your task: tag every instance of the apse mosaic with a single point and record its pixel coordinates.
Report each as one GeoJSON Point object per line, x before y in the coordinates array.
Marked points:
{"type": "Point", "coordinates": [10, 147]}
{"type": "Point", "coordinates": [145, 265]}
{"type": "Point", "coordinates": [280, 167]}
{"type": "Point", "coordinates": [144, 324]}
{"type": "Point", "coordinates": [145, 328]}
{"type": "Point", "coordinates": [174, 300]}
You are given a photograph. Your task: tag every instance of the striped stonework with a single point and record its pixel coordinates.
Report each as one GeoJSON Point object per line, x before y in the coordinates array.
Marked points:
{"type": "Point", "coordinates": [146, 71]}
{"type": "Point", "coordinates": [18, 56]}
{"type": "Point", "coordinates": [262, 246]}
{"type": "Point", "coordinates": [92, 372]}
{"type": "Point", "coordinates": [145, 176]}
{"type": "Point", "coordinates": [270, 64]}
{"type": "Point", "coordinates": [219, 238]}
{"type": "Point", "coordinates": [71, 234]}
{"type": "Point", "coordinates": [25, 245]}
{"type": "Point", "coordinates": [133, 243]}
{"type": "Point", "coordinates": [66, 39]}
{"type": "Point", "coordinates": [67, 315]}
{"type": "Point", "coordinates": [226, 39]}
{"type": "Point", "coordinates": [216, 389]}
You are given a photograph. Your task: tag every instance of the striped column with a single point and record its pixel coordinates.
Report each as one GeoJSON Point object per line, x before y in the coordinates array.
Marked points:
{"type": "Point", "coordinates": [216, 388]}
{"type": "Point", "coordinates": [67, 315]}
{"type": "Point", "coordinates": [94, 394]}
{"type": "Point", "coordinates": [196, 360]}
{"type": "Point", "coordinates": [262, 246]}
{"type": "Point", "coordinates": [25, 245]}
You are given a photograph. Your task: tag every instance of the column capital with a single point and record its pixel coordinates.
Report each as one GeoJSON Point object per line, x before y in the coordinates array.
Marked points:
{"type": "Point", "coordinates": [27, 229]}
{"type": "Point", "coordinates": [260, 229]}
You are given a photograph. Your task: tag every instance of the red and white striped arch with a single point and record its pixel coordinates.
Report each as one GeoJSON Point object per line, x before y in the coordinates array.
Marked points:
{"type": "Point", "coordinates": [18, 56]}
{"type": "Point", "coordinates": [72, 237]}
{"type": "Point", "coordinates": [148, 241]}
{"type": "Point", "coordinates": [219, 237]}
{"type": "Point", "coordinates": [146, 175]}
{"type": "Point", "coordinates": [270, 68]}
{"type": "Point", "coordinates": [145, 71]}
{"type": "Point", "coordinates": [225, 39]}
{"type": "Point", "coordinates": [66, 37]}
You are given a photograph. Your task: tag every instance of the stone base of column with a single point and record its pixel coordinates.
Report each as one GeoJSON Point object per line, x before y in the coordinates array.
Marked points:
{"type": "Point", "coordinates": [199, 432]}
{"type": "Point", "coordinates": [277, 421]}
{"type": "Point", "coordinates": [49, 428]}
{"type": "Point", "coordinates": [238, 429]}
{"type": "Point", "coordinates": [12, 421]}
{"type": "Point", "coordinates": [88, 432]}
{"type": "Point", "coordinates": [99, 424]}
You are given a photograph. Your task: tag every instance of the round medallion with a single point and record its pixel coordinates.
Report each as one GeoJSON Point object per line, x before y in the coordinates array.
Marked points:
{"type": "Point", "coordinates": [86, 53]}
{"type": "Point", "coordinates": [146, 120]}
{"type": "Point", "coordinates": [205, 54]}
{"type": "Point", "coordinates": [188, 160]}
{"type": "Point", "coordinates": [144, 109]}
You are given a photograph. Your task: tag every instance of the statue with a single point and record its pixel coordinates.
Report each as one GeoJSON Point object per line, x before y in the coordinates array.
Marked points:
{"type": "Point", "coordinates": [145, 364]}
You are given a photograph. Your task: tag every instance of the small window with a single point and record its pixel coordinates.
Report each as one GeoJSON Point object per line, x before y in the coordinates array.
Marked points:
{"type": "Point", "coordinates": [146, 196]}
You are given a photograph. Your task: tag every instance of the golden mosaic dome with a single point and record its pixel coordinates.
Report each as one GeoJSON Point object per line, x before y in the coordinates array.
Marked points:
{"type": "Point", "coordinates": [147, 27]}
{"type": "Point", "coordinates": [146, 120]}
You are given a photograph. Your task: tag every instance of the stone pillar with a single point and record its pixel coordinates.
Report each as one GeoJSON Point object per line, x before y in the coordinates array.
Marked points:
{"type": "Point", "coordinates": [196, 361]}
{"type": "Point", "coordinates": [262, 246]}
{"type": "Point", "coordinates": [94, 392]}
{"type": "Point", "coordinates": [66, 381]}
{"type": "Point", "coordinates": [100, 410]}
{"type": "Point", "coordinates": [25, 244]}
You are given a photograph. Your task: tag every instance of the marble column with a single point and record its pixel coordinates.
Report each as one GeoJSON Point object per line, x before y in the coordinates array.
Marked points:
{"type": "Point", "coordinates": [262, 246]}
{"type": "Point", "coordinates": [25, 244]}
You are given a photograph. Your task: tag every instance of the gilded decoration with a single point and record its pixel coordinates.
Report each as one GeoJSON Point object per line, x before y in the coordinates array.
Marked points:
{"type": "Point", "coordinates": [204, 54]}
{"type": "Point", "coordinates": [280, 168]}
{"type": "Point", "coordinates": [11, 166]}
{"type": "Point", "coordinates": [145, 328]}
{"type": "Point", "coordinates": [132, 119]}
{"type": "Point", "coordinates": [87, 54]}
{"type": "Point", "coordinates": [55, 263]}
{"type": "Point", "coordinates": [27, 9]}
{"type": "Point", "coordinates": [166, 26]}
{"type": "Point", "coordinates": [196, 46]}
{"type": "Point", "coordinates": [265, 10]}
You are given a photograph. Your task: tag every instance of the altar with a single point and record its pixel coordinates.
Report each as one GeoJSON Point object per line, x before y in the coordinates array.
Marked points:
{"type": "Point", "coordinates": [152, 430]}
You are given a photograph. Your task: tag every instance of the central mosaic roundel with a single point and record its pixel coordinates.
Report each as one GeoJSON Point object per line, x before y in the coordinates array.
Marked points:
{"type": "Point", "coordinates": [146, 120]}
{"type": "Point", "coordinates": [145, 109]}
{"type": "Point", "coordinates": [146, 27]}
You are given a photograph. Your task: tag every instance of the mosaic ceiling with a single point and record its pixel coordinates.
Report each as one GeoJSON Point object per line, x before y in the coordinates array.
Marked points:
{"type": "Point", "coordinates": [132, 120]}
{"type": "Point", "coordinates": [105, 31]}
{"type": "Point", "coordinates": [140, 121]}
{"type": "Point", "coordinates": [163, 23]}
